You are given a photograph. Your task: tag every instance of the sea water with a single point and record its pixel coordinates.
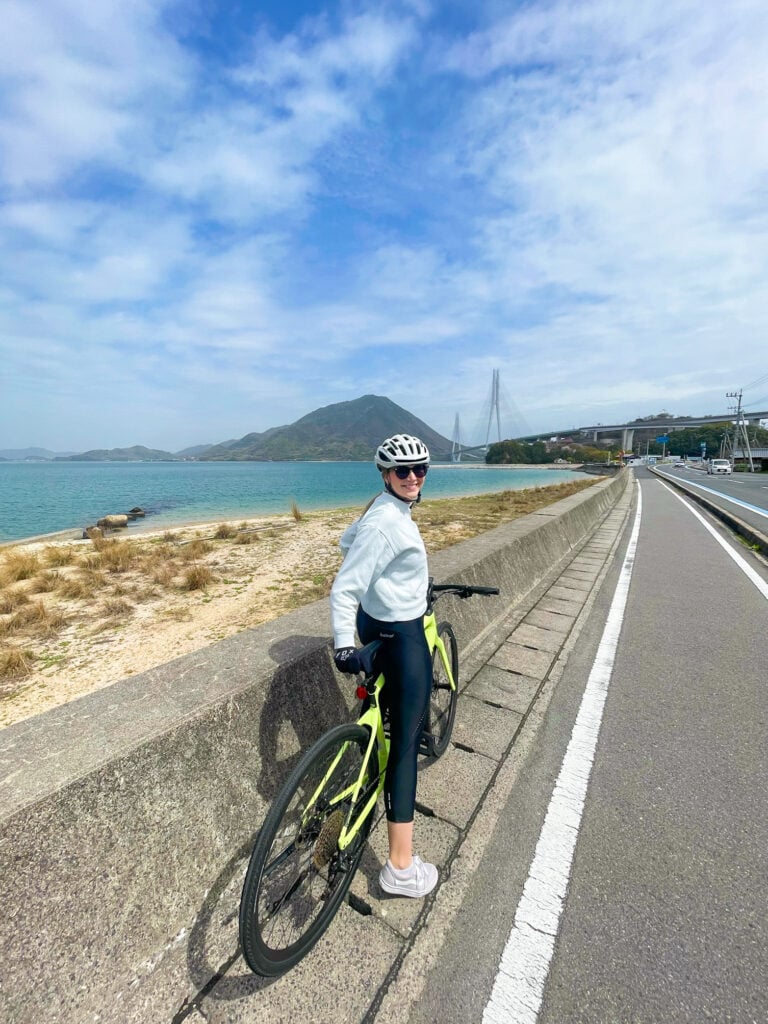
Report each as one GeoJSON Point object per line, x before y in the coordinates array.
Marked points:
{"type": "Point", "coordinates": [46, 497]}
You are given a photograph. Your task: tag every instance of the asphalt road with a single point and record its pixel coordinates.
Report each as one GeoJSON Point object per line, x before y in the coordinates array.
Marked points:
{"type": "Point", "coordinates": [665, 916]}
{"type": "Point", "coordinates": [742, 494]}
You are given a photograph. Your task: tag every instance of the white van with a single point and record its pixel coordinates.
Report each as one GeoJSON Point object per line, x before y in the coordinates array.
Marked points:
{"type": "Point", "coordinates": [718, 466]}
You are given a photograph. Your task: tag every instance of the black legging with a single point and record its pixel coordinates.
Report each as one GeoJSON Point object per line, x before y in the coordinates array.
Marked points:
{"type": "Point", "coordinates": [407, 666]}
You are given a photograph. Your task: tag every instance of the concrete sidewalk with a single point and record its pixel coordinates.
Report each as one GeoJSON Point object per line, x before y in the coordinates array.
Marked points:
{"type": "Point", "coordinates": [370, 963]}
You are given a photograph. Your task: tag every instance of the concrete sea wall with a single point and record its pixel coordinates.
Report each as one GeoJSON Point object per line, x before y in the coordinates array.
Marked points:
{"type": "Point", "coordinates": [122, 812]}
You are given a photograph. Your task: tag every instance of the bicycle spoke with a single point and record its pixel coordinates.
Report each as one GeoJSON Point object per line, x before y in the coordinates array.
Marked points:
{"type": "Point", "coordinates": [303, 873]}
{"type": "Point", "coordinates": [442, 701]}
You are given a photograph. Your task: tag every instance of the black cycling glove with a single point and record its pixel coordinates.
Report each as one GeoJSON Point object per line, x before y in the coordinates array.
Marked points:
{"type": "Point", "coordinates": [347, 660]}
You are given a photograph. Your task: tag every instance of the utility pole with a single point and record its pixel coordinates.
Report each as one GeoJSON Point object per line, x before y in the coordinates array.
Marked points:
{"type": "Point", "coordinates": [726, 449]}
{"type": "Point", "coordinates": [740, 426]}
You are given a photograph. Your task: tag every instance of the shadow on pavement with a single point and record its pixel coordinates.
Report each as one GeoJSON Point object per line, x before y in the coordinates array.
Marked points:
{"type": "Point", "coordinates": [303, 701]}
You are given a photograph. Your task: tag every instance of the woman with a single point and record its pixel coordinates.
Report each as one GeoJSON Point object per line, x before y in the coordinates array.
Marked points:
{"type": "Point", "coordinates": [382, 588]}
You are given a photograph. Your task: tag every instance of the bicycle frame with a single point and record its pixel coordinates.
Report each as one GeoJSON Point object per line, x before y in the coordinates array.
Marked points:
{"type": "Point", "coordinates": [312, 839]}
{"type": "Point", "coordinates": [372, 720]}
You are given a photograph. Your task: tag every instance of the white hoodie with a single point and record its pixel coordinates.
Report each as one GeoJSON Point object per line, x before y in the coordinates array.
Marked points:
{"type": "Point", "coordinates": [384, 569]}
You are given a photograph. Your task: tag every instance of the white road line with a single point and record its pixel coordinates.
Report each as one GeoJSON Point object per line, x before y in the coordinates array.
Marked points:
{"type": "Point", "coordinates": [720, 494]}
{"type": "Point", "coordinates": [745, 567]}
{"type": "Point", "coordinates": [519, 986]}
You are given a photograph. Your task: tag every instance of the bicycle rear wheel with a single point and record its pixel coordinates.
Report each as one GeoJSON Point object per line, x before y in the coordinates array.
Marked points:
{"type": "Point", "coordinates": [297, 876]}
{"type": "Point", "coordinates": [442, 699]}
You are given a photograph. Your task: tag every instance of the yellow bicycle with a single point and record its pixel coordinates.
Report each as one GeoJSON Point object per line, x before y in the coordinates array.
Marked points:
{"type": "Point", "coordinates": [308, 849]}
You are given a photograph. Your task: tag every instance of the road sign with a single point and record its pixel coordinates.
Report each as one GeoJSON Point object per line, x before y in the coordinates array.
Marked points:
{"type": "Point", "coordinates": [664, 439]}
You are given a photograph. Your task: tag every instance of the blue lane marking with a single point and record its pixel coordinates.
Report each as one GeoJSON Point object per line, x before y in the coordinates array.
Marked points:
{"type": "Point", "coordinates": [719, 494]}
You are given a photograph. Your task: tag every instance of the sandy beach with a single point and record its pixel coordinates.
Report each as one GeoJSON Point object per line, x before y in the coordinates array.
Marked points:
{"type": "Point", "coordinates": [78, 615]}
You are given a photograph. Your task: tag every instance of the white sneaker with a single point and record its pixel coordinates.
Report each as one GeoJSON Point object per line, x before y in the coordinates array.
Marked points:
{"type": "Point", "coordinates": [417, 880]}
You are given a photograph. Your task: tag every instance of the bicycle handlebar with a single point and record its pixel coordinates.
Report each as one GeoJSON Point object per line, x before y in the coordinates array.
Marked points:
{"type": "Point", "coordinates": [367, 654]}
{"type": "Point", "coordinates": [461, 590]}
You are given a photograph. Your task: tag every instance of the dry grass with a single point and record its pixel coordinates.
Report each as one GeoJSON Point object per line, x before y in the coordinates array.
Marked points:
{"type": "Point", "coordinates": [195, 550]}
{"type": "Point", "coordinates": [296, 512]}
{"type": "Point", "coordinates": [15, 663]}
{"type": "Point", "coordinates": [12, 599]}
{"type": "Point", "coordinates": [447, 521]}
{"type": "Point", "coordinates": [76, 588]}
{"type": "Point", "coordinates": [177, 613]}
{"type": "Point", "coordinates": [92, 576]}
{"type": "Point", "coordinates": [38, 619]}
{"type": "Point", "coordinates": [19, 565]}
{"type": "Point", "coordinates": [45, 582]}
{"type": "Point", "coordinates": [117, 556]}
{"type": "Point", "coordinates": [198, 577]}
{"type": "Point", "coordinates": [58, 555]}
{"type": "Point", "coordinates": [148, 598]}
{"type": "Point", "coordinates": [162, 573]}
{"type": "Point", "coordinates": [160, 563]}
{"type": "Point", "coordinates": [116, 607]}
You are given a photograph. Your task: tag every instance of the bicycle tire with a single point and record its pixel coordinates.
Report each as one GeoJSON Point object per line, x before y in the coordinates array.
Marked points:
{"type": "Point", "coordinates": [297, 877]}
{"type": "Point", "coordinates": [442, 699]}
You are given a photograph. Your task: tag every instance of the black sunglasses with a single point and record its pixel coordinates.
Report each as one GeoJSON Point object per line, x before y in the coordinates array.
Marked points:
{"type": "Point", "coordinates": [403, 472]}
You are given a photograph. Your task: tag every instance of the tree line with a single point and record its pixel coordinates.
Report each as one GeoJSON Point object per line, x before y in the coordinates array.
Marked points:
{"type": "Point", "coordinates": [539, 452]}
{"type": "Point", "coordinates": [688, 442]}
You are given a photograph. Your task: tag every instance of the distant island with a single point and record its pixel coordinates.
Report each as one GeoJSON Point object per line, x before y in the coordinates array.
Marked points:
{"type": "Point", "coordinates": [29, 455]}
{"type": "Point", "coordinates": [344, 432]}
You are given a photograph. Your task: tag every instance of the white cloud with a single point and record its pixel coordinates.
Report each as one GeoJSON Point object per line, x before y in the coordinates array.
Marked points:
{"type": "Point", "coordinates": [252, 155]}
{"type": "Point", "coordinates": [626, 161]}
{"type": "Point", "coordinates": [77, 81]}
{"type": "Point", "coordinates": [573, 193]}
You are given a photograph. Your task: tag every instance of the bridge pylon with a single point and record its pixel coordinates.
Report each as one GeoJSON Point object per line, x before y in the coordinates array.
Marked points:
{"type": "Point", "coordinates": [494, 408]}
{"type": "Point", "coordinates": [456, 444]}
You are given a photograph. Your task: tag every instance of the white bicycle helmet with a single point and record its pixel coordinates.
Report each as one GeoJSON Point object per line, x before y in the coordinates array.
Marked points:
{"type": "Point", "coordinates": [401, 450]}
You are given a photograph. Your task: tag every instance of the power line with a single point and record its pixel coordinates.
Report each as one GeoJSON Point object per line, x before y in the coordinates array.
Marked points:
{"type": "Point", "coordinates": [760, 380]}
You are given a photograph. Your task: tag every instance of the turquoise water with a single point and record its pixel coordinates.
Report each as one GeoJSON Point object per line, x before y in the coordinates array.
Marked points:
{"type": "Point", "coordinates": [45, 497]}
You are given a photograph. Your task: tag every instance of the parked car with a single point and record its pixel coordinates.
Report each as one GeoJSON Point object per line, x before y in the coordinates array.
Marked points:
{"type": "Point", "coordinates": [718, 466]}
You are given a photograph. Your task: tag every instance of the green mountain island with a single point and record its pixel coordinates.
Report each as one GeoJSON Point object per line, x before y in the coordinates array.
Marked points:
{"type": "Point", "coordinates": [344, 432]}
{"type": "Point", "coordinates": [137, 453]}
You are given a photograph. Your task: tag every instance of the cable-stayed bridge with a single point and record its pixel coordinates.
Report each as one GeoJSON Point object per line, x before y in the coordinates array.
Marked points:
{"type": "Point", "coordinates": [499, 419]}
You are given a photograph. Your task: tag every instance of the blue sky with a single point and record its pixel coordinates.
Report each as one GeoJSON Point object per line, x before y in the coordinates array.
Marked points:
{"type": "Point", "coordinates": [217, 217]}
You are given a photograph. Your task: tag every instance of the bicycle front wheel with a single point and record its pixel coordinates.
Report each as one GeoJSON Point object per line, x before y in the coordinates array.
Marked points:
{"type": "Point", "coordinates": [443, 699]}
{"type": "Point", "coordinates": [297, 875]}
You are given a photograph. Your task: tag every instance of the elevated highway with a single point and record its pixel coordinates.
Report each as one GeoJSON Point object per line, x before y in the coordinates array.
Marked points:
{"type": "Point", "coordinates": [626, 431]}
